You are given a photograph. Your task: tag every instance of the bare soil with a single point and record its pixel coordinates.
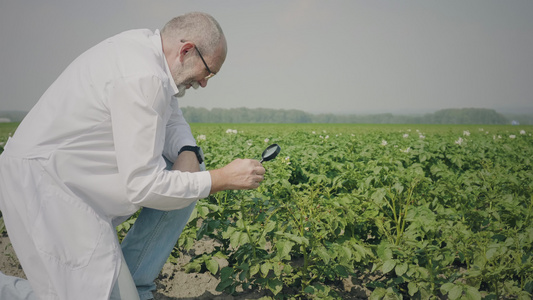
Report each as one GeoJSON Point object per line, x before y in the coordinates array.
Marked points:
{"type": "Point", "coordinates": [174, 284]}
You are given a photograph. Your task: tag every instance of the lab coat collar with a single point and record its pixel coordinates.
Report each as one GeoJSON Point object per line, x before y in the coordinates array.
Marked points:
{"type": "Point", "coordinates": [156, 39]}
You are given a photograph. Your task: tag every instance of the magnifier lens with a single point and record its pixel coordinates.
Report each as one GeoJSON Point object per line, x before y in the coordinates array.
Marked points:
{"type": "Point", "coordinates": [270, 152]}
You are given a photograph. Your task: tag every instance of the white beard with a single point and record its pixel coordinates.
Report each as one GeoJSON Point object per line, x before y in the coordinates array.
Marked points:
{"type": "Point", "coordinates": [182, 88]}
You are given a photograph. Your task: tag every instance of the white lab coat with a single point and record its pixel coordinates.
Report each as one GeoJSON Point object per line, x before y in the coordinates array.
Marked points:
{"type": "Point", "coordinates": [88, 154]}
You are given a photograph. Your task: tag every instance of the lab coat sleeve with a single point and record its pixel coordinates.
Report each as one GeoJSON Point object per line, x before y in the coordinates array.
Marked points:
{"type": "Point", "coordinates": [178, 133]}
{"type": "Point", "coordinates": [137, 107]}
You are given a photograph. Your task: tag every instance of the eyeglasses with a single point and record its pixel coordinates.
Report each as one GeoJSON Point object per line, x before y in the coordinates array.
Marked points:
{"type": "Point", "coordinates": [211, 74]}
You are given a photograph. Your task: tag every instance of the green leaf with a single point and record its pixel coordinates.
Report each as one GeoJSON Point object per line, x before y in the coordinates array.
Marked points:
{"type": "Point", "coordinates": [472, 293]}
{"type": "Point", "coordinates": [413, 288]}
{"type": "Point", "coordinates": [378, 196]}
{"type": "Point", "coordinates": [341, 271]}
{"type": "Point", "coordinates": [254, 269]}
{"type": "Point", "coordinates": [398, 187]}
{"type": "Point", "coordinates": [456, 292]}
{"type": "Point", "coordinates": [275, 286]}
{"type": "Point", "coordinates": [383, 251]}
{"type": "Point", "coordinates": [236, 238]}
{"type": "Point", "coordinates": [223, 285]}
{"type": "Point", "coordinates": [265, 268]}
{"type": "Point", "coordinates": [243, 275]}
{"type": "Point", "coordinates": [388, 266]}
{"type": "Point", "coordinates": [202, 210]}
{"type": "Point", "coordinates": [401, 269]}
{"type": "Point", "coordinates": [445, 288]}
{"type": "Point", "coordinates": [309, 289]}
{"type": "Point", "coordinates": [229, 232]}
{"type": "Point", "coordinates": [193, 267]}
{"type": "Point", "coordinates": [277, 269]}
{"type": "Point", "coordinates": [491, 252]}
{"type": "Point", "coordinates": [284, 247]}
{"type": "Point", "coordinates": [212, 266]}
{"type": "Point", "coordinates": [378, 294]}
{"type": "Point", "coordinates": [323, 254]}
{"type": "Point", "coordinates": [226, 273]}
{"type": "Point", "coordinates": [271, 225]}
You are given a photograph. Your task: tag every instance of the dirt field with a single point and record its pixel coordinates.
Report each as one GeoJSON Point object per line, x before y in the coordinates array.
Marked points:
{"type": "Point", "coordinates": [174, 284]}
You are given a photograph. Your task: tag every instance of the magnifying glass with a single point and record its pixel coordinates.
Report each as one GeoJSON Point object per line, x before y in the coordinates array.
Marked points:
{"type": "Point", "coordinates": [270, 153]}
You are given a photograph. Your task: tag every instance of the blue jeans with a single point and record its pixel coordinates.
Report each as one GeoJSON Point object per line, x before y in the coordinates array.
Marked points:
{"type": "Point", "coordinates": [149, 243]}
{"type": "Point", "coordinates": [15, 288]}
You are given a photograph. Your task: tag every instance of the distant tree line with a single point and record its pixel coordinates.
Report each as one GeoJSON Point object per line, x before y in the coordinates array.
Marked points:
{"type": "Point", "coordinates": [264, 115]}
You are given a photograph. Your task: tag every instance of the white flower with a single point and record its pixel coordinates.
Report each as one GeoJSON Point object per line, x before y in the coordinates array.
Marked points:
{"type": "Point", "coordinates": [383, 143]}
{"type": "Point", "coordinates": [327, 137]}
{"type": "Point", "coordinates": [234, 131]}
{"type": "Point", "coordinates": [313, 132]}
{"type": "Point", "coordinates": [512, 136]}
{"type": "Point", "coordinates": [405, 135]}
{"type": "Point", "coordinates": [499, 136]}
{"type": "Point", "coordinates": [466, 133]}
{"type": "Point", "coordinates": [522, 132]}
{"type": "Point", "coordinates": [422, 136]}
{"type": "Point", "coordinates": [201, 137]}
{"type": "Point", "coordinates": [249, 143]}
{"type": "Point", "coordinates": [459, 141]}
{"type": "Point", "coordinates": [267, 140]}
{"type": "Point", "coordinates": [406, 150]}
{"type": "Point", "coordinates": [481, 129]}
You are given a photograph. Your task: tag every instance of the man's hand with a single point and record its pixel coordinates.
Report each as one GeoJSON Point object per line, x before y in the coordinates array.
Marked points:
{"type": "Point", "coordinates": [240, 174]}
{"type": "Point", "coordinates": [186, 162]}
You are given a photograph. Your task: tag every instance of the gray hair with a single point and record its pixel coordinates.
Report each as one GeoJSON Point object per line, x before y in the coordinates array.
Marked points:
{"type": "Point", "coordinates": [197, 27]}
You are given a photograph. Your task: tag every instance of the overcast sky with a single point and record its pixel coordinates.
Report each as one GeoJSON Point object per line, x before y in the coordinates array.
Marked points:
{"type": "Point", "coordinates": [317, 56]}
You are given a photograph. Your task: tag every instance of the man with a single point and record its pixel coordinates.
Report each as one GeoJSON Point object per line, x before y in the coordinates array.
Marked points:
{"type": "Point", "coordinates": [92, 152]}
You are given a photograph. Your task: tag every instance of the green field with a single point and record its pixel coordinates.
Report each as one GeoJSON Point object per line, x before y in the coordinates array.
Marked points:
{"type": "Point", "coordinates": [417, 211]}
{"type": "Point", "coordinates": [427, 211]}
{"type": "Point", "coordinates": [6, 129]}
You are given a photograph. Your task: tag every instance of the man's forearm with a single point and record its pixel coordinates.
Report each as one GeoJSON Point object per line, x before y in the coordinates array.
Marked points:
{"type": "Point", "coordinates": [186, 162]}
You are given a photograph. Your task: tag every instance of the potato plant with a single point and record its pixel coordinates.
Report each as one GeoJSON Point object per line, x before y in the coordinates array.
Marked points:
{"type": "Point", "coordinates": [432, 212]}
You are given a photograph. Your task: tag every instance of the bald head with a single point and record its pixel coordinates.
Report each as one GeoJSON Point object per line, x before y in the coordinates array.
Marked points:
{"type": "Point", "coordinates": [195, 49]}
{"type": "Point", "coordinates": [197, 27]}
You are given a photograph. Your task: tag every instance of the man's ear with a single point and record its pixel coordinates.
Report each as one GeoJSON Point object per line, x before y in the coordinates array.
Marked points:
{"type": "Point", "coordinates": [185, 49]}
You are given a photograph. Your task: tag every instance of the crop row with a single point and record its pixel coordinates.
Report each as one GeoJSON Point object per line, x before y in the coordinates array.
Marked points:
{"type": "Point", "coordinates": [442, 213]}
